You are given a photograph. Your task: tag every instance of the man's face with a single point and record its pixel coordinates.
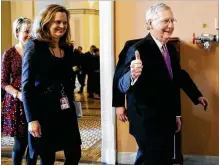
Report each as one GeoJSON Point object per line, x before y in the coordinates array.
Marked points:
{"type": "Point", "coordinates": [162, 26]}
{"type": "Point", "coordinates": [97, 53]}
{"type": "Point", "coordinates": [79, 49]}
{"type": "Point", "coordinates": [91, 49]}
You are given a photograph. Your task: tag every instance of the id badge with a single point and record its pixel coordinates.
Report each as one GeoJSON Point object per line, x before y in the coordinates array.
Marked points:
{"type": "Point", "coordinates": [64, 103]}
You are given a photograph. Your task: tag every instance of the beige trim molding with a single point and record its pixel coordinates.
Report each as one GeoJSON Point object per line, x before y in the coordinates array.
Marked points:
{"type": "Point", "coordinates": [84, 11]}
{"type": "Point", "coordinates": [200, 160]}
{"type": "Point", "coordinates": [126, 158]}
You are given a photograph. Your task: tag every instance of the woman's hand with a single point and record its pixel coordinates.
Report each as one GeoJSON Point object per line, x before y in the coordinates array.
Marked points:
{"type": "Point", "coordinates": [34, 128]}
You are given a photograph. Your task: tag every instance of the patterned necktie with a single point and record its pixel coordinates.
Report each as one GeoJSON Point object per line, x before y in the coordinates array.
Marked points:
{"type": "Point", "coordinates": [167, 60]}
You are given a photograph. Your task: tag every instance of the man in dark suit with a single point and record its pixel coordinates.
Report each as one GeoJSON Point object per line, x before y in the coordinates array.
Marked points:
{"type": "Point", "coordinates": [74, 69]}
{"type": "Point", "coordinates": [151, 79]}
{"type": "Point", "coordinates": [81, 73]}
{"type": "Point", "coordinates": [88, 70]}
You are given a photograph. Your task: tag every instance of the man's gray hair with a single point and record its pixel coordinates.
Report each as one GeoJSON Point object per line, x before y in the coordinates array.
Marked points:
{"type": "Point", "coordinates": [153, 10]}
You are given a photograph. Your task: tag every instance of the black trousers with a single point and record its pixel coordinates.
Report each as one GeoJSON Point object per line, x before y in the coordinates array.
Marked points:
{"type": "Point", "coordinates": [19, 148]}
{"type": "Point", "coordinates": [96, 83]}
{"type": "Point", "coordinates": [72, 156]}
{"type": "Point", "coordinates": [152, 155]}
{"type": "Point", "coordinates": [139, 158]}
{"type": "Point", "coordinates": [90, 82]}
{"type": "Point", "coordinates": [155, 141]}
{"type": "Point", "coordinates": [81, 77]}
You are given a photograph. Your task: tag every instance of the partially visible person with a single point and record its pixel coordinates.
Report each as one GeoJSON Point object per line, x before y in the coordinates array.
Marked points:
{"type": "Point", "coordinates": [75, 69]}
{"type": "Point", "coordinates": [14, 123]}
{"type": "Point", "coordinates": [96, 73]}
{"type": "Point", "coordinates": [47, 88]}
{"type": "Point", "coordinates": [73, 45]}
{"type": "Point", "coordinates": [80, 49]}
{"type": "Point", "coordinates": [89, 70]}
{"type": "Point", "coordinates": [118, 100]}
{"type": "Point", "coordinates": [81, 74]}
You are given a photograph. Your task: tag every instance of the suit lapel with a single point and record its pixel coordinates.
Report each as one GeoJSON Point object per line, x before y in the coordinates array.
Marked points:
{"type": "Point", "coordinates": [157, 55]}
{"type": "Point", "coordinates": [154, 48]}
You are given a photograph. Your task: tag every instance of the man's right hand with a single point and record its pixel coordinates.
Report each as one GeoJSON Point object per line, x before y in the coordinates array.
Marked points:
{"type": "Point", "coordinates": [34, 128]}
{"type": "Point", "coordinates": [120, 112]}
{"type": "Point", "coordinates": [136, 66]}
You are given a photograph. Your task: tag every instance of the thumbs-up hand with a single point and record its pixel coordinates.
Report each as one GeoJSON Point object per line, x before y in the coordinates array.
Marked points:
{"type": "Point", "coordinates": [136, 66]}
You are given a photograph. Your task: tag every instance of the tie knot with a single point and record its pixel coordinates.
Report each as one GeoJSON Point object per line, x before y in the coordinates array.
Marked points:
{"type": "Point", "coordinates": [164, 48]}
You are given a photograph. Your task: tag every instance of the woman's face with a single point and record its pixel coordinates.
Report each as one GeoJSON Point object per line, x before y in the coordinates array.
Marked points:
{"type": "Point", "coordinates": [59, 25]}
{"type": "Point", "coordinates": [24, 34]}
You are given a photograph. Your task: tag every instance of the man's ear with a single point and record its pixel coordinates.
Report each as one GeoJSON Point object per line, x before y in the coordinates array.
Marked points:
{"type": "Point", "coordinates": [150, 24]}
{"type": "Point", "coordinates": [147, 26]}
{"type": "Point", "coordinates": [17, 35]}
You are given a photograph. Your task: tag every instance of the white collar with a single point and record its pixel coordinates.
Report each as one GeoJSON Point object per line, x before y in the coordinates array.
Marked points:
{"type": "Point", "coordinates": [159, 44]}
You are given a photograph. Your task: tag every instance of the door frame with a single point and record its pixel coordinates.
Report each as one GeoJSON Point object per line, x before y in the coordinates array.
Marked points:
{"type": "Point", "coordinates": [107, 67]}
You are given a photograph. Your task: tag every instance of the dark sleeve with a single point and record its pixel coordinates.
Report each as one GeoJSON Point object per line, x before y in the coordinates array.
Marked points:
{"type": "Point", "coordinates": [124, 83]}
{"type": "Point", "coordinates": [118, 97]}
{"type": "Point", "coordinates": [73, 56]}
{"type": "Point", "coordinates": [29, 67]}
{"type": "Point", "coordinates": [189, 87]}
{"type": "Point", "coordinates": [6, 69]}
{"type": "Point", "coordinates": [186, 83]}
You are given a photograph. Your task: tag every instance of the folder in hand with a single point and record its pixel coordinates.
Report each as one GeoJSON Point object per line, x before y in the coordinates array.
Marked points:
{"type": "Point", "coordinates": [78, 109]}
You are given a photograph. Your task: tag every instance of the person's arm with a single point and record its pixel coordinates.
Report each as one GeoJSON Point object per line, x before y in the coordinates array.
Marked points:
{"type": "Point", "coordinates": [125, 82]}
{"type": "Point", "coordinates": [185, 82]}
{"type": "Point", "coordinates": [30, 99]}
{"type": "Point", "coordinates": [189, 87]}
{"type": "Point", "coordinates": [74, 57]}
{"type": "Point", "coordinates": [131, 71]}
{"type": "Point", "coordinates": [118, 99]}
{"type": "Point", "coordinates": [5, 76]}
{"type": "Point", "coordinates": [28, 81]}
{"type": "Point", "coordinates": [121, 114]}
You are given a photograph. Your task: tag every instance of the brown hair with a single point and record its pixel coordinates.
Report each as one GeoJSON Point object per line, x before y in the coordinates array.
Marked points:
{"type": "Point", "coordinates": [40, 30]}
{"type": "Point", "coordinates": [95, 50]}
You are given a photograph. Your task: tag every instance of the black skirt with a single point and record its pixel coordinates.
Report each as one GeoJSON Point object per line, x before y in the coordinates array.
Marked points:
{"type": "Point", "coordinates": [59, 127]}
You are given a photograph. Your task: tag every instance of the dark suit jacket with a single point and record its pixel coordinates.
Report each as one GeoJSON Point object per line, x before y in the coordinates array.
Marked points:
{"type": "Point", "coordinates": [153, 101]}
{"type": "Point", "coordinates": [118, 97]}
{"type": "Point", "coordinates": [87, 62]}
